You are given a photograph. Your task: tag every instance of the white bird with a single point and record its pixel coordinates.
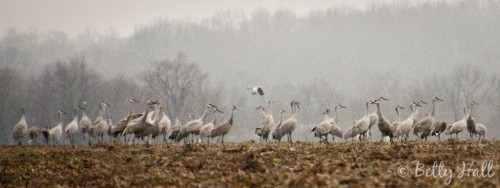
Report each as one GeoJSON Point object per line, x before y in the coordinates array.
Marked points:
{"type": "Point", "coordinates": [323, 128]}
{"type": "Point", "coordinates": [362, 125]}
{"type": "Point", "coordinates": [223, 129]}
{"type": "Point", "coordinates": [85, 123]}
{"type": "Point", "coordinates": [268, 122]}
{"type": "Point", "coordinates": [206, 130]}
{"type": "Point", "coordinates": [55, 133]}
{"type": "Point", "coordinates": [334, 128]}
{"type": "Point", "coordinates": [164, 124]}
{"type": "Point", "coordinates": [72, 127]}
{"type": "Point", "coordinates": [405, 126]}
{"type": "Point", "coordinates": [425, 124]}
{"type": "Point", "coordinates": [20, 129]}
{"type": "Point", "coordinates": [100, 125]}
{"type": "Point", "coordinates": [458, 126]}
{"type": "Point", "coordinates": [257, 89]}
{"type": "Point", "coordinates": [481, 130]}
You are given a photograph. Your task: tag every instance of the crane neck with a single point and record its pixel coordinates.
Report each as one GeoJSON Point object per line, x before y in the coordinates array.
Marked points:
{"type": "Point", "coordinates": [215, 117]}
{"type": "Point", "coordinates": [145, 115]}
{"type": "Point", "coordinates": [75, 115]}
{"type": "Point", "coordinates": [129, 108]}
{"type": "Point", "coordinates": [204, 114]}
{"type": "Point", "coordinates": [470, 112]}
{"type": "Point", "coordinates": [367, 109]}
{"type": "Point", "coordinates": [60, 118]}
{"type": "Point", "coordinates": [397, 112]}
{"type": "Point", "coordinates": [231, 118]}
{"type": "Point", "coordinates": [433, 108]}
{"type": "Point", "coordinates": [335, 114]}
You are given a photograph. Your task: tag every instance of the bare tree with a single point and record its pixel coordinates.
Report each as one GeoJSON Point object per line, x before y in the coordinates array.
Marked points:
{"type": "Point", "coordinates": [175, 81]}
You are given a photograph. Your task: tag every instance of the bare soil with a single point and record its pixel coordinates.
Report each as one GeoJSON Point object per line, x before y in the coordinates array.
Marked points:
{"type": "Point", "coordinates": [247, 165]}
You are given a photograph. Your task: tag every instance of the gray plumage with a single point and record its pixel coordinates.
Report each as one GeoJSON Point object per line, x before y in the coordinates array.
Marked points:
{"type": "Point", "coordinates": [471, 122]}
{"type": "Point", "coordinates": [425, 124]}
{"type": "Point", "coordinates": [223, 129]}
{"type": "Point", "coordinates": [288, 126]}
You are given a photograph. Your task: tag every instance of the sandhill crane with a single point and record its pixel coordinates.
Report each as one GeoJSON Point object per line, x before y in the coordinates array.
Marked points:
{"type": "Point", "coordinates": [481, 131]}
{"type": "Point", "coordinates": [438, 128]}
{"type": "Point", "coordinates": [206, 130]}
{"type": "Point", "coordinates": [288, 126]}
{"type": "Point", "coordinates": [323, 128]}
{"type": "Point", "coordinates": [258, 131]}
{"type": "Point", "coordinates": [276, 133]}
{"type": "Point", "coordinates": [100, 125]}
{"type": "Point", "coordinates": [151, 125]}
{"type": "Point", "coordinates": [458, 126]}
{"type": "Point", "coordinates": [193, 126]}
{"type": "Point", "coordinates": [257, 89]}
{"type": "Point", "coordinates": [154, 123]}
{"type": "Point", "coordinates": [350, 133]}
{"type": "Point", "coordinates": [138, 125]}
{"type": "Point", "coordinates": [405, 126]}
{"type": "Point", "coordinates": [268, 122]}
{"type": "Point", "coordinates": [85, 123]}
{"type": "Point", "coordinates": [424, 125]}
{"type": "Point", "coordinates": [55, 133]}
{"type": "Point", "coordinates": [362, 125]}
{"type": "Point", "coordinates": [383, 123]}
{"type": "Point", "coordinates": [33, 132]}
{"type": "Point", "coordinates": [164, 124]}
{"type": "Point", "coordinates": [175, 130]}
{"type": "Point", "coordinates": [45, 132]}
{"type": "Point", "coordinates": [117, 129]}
{"type": "Point", "coordinates": [334, 128]}
{"type": "Point", "coordinates": [471, 123]}
{"type": "Point", "coordinates": [72, 127]}
{"type": "Point", "coordinates": [223, 129]}
{"type": "Point", "coordinates": [20, 129]}
{"type": "Point", "coordinates": [395, 123]}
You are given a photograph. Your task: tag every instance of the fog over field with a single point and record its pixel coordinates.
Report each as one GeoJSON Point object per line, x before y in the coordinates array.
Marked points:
{"type": "Point", "coordinates": [56, 54]}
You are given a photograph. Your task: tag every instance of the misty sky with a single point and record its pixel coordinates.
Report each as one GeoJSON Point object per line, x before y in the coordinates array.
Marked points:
{"type": "Point", "coordinates": [73, 17]}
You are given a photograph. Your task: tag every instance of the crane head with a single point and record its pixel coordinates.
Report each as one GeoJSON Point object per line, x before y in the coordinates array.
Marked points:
{"type": "Point", "coordinates": [421, 101]}
{"type": "Point", "coordinates": [282, 111]}
{"type": "Point", "coordinates": [234, 108]}
{"type": "Point", "coordinates": [437, 99]}
{"type": "Point", "coordinates": [382, 99]}
{"type": "Point", "coordinates": [217, 110]}
{"type": "Point", "coordinates": [474, 102]}
{"type": "Point", "coordinates": [400, 107]}
{"type": "Point", "coordinates": [327, 111]}
{"type": "Point", "coordinates": [133, 100]}
{"type": "Point", "coordinates": [341, 106]}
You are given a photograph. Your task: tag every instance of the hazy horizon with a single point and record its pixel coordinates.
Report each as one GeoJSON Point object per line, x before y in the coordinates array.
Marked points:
{"type": "Point", "coordinates": [123, 17]}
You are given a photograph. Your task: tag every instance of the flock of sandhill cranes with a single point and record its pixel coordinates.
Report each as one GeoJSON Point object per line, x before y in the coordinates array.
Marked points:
{"type": "Point", "coordinates": [398, 129]}
{"type": "Point", "coordinates": [143, 126]}
{"type": "Point", "coordinates": [151, 125]}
